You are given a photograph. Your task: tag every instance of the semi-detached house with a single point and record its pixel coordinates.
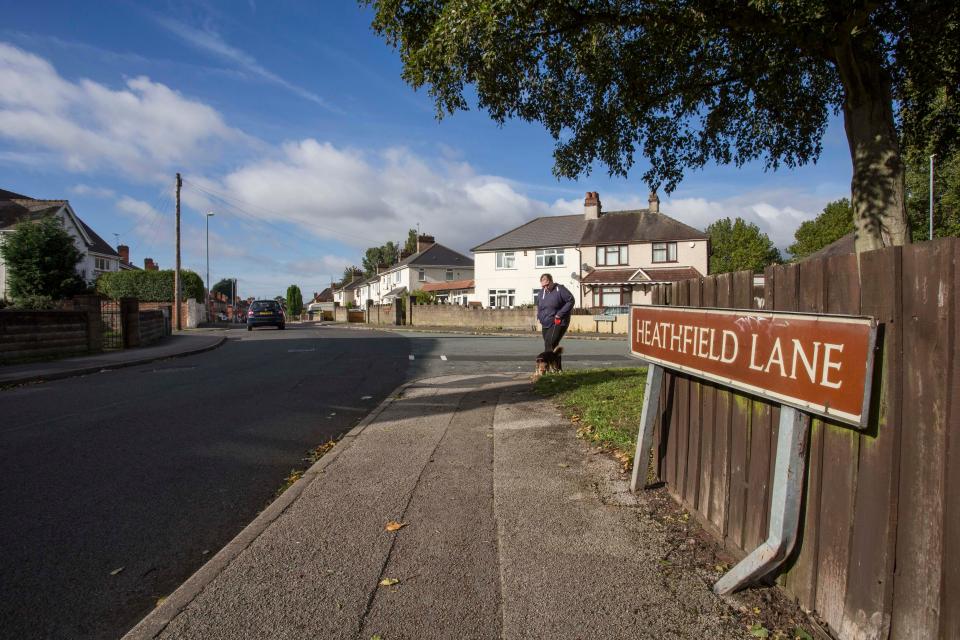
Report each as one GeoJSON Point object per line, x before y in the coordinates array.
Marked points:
{"type": "Point", "coordinates": [96, 255]}
{"type": "Point", "coordinates": [432, 264]}
{"type": "Point", "coordinates": [605, 258]}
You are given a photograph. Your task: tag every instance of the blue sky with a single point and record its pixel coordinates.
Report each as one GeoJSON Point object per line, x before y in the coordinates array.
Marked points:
{"type": "Point", "coordinates": [289, 120]}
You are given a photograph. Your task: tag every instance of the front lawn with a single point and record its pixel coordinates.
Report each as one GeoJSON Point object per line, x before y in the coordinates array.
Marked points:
{"type": "Point", "coordinates": [605, 404]}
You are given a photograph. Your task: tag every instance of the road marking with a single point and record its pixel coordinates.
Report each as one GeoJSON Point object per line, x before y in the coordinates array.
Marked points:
{"type": "Point", "coordinates": [444, 358]}
{"type": "Point", "coordinates": [411, 357]}
{"type": "Point", "coordinates": [300, 350]}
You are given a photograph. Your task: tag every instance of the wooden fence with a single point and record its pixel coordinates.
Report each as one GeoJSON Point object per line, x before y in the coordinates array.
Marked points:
{"type": "Point", "coordinates": [879, 548]}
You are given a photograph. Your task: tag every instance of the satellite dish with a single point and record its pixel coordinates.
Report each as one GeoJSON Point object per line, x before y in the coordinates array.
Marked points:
{"type": "Point", "coordinates": [575, 275]}
{"type": "Point", "coordinates": [586, 267]}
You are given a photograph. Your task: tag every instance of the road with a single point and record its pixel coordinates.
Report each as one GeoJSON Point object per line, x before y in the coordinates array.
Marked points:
{"type": "Point", "coordinates": [115, 487]}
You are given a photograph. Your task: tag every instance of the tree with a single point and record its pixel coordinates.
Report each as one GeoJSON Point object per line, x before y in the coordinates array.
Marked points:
{"type": "Point", "coordinates": [697, 81]}
{"type": "Point", "coordinates": [410, 246]}
{"type": "Point", "coordinates": [946, 189]}
{"type": "Point", "coordinates": [385, 255]}
{"type": "Point", "coordinates": [739, 245]}
{"type": "Point", "coordinates": [224, 287]}
{"type": "Point", "coordinates": [41, 259]}
{"type": "Point", "coordinates": [834, 222]}
{"type": "Point", "coordinates": [294, 300]}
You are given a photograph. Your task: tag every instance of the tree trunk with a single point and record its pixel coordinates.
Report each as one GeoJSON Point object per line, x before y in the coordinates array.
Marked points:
{"type": "Point", "coordinates": [877, 188]}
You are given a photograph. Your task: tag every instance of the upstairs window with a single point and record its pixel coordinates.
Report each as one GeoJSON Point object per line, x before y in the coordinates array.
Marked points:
{"type": "Point", "coordinates": [613, 255]}
{"type": "Point", "coordinates": [664, 251]}
{"type": "Point", "coordinates": [549, 257]}
{"type": "Point", "coordinates": [506, 260]}
{"type": "Point", "coordinates": [421, 275]}
{"type": "Point", "coordinates": [101, 264]}
{"type": "Point", "coordinates": [449, 275]}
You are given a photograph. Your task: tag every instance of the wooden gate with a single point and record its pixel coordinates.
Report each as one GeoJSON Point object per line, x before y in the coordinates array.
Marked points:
{"type": "Point", "coordinates": [879, 548]}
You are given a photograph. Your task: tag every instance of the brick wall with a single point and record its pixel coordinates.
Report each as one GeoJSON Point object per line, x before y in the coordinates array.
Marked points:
{"type": "Point", "coordinates": [381, 314]}
{"type": "Point", "coordinates": [154, 325]}
{"type": "Point", "coordinates": [26, 335]}
{"type": "Point", "coordinates": [448, 315]}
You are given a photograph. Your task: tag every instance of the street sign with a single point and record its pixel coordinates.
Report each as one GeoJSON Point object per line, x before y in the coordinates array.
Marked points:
{"type": "Point", "coordinates": [821, 364]}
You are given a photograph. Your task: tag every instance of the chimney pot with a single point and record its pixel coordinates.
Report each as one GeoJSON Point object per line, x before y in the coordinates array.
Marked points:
{"type": "Point", "coordinates": [654, 202]}
{"type": "Point", "coordinates": [424, 242]}
{"type": "Point", "coordinates": [591, 206]}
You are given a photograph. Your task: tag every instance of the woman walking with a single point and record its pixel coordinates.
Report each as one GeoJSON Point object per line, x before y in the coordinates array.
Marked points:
{"type": "Point", "coordinates": [553, 311]}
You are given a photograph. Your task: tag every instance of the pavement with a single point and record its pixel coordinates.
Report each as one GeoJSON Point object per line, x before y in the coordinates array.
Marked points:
{"type": "Point", "coordinates": [512, 528]}
{"type": "Point", "coordinates": [179, 344]}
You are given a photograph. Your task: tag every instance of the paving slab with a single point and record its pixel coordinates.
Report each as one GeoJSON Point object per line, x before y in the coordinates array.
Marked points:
{"type": "Point", "coordinates": [513, 528]}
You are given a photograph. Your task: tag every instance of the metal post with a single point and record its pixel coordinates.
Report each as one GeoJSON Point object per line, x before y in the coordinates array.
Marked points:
{"type": "Point", "coordinates": [931, 195]}
{"type": "Point", "coordinates": [788, 476]}
{"type": "Point", "coordinates": [651, 398]}
{"type": "Point", "coordinates": [209, 215]}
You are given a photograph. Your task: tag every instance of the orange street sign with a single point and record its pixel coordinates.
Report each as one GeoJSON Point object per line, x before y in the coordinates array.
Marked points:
{"type": "Point", "coordinates": [818, 363]}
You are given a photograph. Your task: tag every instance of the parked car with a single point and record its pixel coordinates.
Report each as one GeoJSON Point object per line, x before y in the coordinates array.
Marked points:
{"type": "Point", "coordinates": [265, 312]}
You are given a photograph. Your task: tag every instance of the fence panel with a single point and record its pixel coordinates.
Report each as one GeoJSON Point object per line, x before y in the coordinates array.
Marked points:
{"type": "Point", "coordinates": [877, 555]}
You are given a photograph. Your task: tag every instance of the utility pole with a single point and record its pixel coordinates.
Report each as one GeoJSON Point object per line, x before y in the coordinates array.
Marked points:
{"type": "Point", "coordinates": [177, 297]}
{"type": "Point", "coordinates": [931, 196]}
{"type": "Point", "coordinates": [207, 301]}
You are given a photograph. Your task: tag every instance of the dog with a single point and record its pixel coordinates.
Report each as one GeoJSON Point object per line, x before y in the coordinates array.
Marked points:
{"type": "Point", "coordinates": [548, 361]}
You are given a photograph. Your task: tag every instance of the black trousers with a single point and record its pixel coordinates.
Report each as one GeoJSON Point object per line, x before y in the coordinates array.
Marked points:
{"type": "Point", "coordinates": [552, 336]}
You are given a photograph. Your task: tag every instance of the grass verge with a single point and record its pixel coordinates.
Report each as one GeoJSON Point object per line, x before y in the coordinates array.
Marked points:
{"type": "Point", "coordinates": [605, 404]}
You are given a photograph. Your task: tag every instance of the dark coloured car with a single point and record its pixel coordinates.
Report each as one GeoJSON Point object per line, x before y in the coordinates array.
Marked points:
{"type": "Point", "coordinates": [265, 313]}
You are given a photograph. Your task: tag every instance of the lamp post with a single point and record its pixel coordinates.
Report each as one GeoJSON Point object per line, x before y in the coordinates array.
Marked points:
{"type": "Point", "coordinates": [210, 214]}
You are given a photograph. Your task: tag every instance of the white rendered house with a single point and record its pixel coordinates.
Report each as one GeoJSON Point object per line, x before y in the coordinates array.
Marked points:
{"type": "Point", "coordinates": [605, 259]}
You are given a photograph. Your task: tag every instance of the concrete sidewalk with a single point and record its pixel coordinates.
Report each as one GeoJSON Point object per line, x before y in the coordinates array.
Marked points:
{"type": "Point", "coordinates": [513, 529]}
{"type": "Point", "coordinates": [179, 344]}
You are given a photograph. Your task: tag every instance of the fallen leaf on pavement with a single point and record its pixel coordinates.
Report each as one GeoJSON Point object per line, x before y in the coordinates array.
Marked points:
{"type": "Point", "coordinates": [393, 525]}
{"type": "Point", "coordinates": [388, 582]}
{"type": "Point", "coordinates": [116, 571]}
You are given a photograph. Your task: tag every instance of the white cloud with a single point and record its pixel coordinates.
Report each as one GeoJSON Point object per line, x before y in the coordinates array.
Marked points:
{"type": "Point", "coordinates": [777, 213]}
{"type": "Point", "coordinates": [365, 199]}
{"type": "Point", "coordinates": [94, 192]}
{"type": "Point", "coordinates": [212, 43]}
{"type": "Point", "coordinates": [140, 130]}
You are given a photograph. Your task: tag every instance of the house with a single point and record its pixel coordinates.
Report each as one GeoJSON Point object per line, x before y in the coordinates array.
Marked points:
{"type": "Point", "coordinates": [605, 258]}
{"type": "Point", "coordinates": [432, 263]}
{"type": "Point", "coordinates": [345, 295]}
{"type": "Point", "coordinates": [97, 256]}
{"type": "Point", "coordinates": [454, 292]}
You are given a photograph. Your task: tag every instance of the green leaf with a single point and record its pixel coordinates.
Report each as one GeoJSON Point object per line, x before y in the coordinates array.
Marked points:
{"type": "Point", "coordinates": [759, 631]}
{"type": "Point", "coordinates": [799, 633]}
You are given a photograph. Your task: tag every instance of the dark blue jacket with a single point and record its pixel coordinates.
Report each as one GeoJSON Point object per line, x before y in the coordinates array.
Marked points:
{"type": "Point", "coordinates": [552, 304]}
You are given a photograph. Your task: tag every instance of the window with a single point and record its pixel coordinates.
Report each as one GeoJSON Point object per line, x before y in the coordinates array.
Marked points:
{"type": "Point", "coordinates": [664, 251]}
{"type": "Point", "coordinates": [506, 260]}
{"type": "Point", "coordinates": [101, 264]}
{"type": "Point", "coordinates": [502, 297]}
{"type": "Point", "coordinates": [612, 296]}
{"type": "Point", "coordinates": [449, 275]}
{"type": "Point", "coordinates": [613, 255]}
{"type": "Point", "coordinates": [396, 276]}
{"type": "Point", "coordinates": [536, 296]}
{"type": "Point", "coordinates": [421, 275]}
{"type": "Point", "coordinates": [549, 257]}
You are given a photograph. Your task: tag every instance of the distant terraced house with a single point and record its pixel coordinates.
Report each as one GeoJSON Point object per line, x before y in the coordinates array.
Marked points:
{"type": "Point", "coordinates": [97, 256]}
{"type": "Point", "coordinates": [605, 258]}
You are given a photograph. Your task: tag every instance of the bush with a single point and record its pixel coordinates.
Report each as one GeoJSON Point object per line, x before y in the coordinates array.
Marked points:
{"type": "Point", "coordinates": [294, 300]}
{"type": "Point", "coordinates": [35, 303]}
{"type": "Point", "coordinates": [423, 297]}
{"type": "Point", "coordinates": [41, 260]}
{"type": "Point", "coordinates": [149, 286]}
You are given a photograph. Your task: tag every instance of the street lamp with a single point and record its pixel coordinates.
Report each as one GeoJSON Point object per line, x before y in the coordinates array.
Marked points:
{"type": "Point", "coordinates": [210, 214]}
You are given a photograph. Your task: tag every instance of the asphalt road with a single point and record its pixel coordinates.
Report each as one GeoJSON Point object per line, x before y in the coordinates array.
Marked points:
{"type": "Point", "coordinates": [115, 487]}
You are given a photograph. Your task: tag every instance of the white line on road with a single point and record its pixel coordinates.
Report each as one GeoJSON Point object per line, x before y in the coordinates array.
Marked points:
{"type": "Point", "coordinates": [411, 357]}
{"type": "Point", "coordinates": [444, 358]}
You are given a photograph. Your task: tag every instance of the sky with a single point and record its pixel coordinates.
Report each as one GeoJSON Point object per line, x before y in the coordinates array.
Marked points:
{"type": "Point", "coordinates": [290, 122]}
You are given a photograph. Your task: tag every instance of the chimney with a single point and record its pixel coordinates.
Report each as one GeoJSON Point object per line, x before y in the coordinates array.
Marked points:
{"type": "Point", "coordinates": [424, 242]}
{"type": "Point", "coordinates": [591, 206]}
{"type": "Point", "coordinates": [150, 265]}
{"type": "Point", "coordinates": [124, 252]}
{"type": "Point", "coordinates": [381, 268]}
{"type": "Point", "coordinates": [654, 202]}
{"type": "Point", "coordinates": [405, 254]}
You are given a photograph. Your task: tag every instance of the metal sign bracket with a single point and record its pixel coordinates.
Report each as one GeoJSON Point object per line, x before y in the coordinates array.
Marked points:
{"type": "Point", "coordinates": [786, 500]}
